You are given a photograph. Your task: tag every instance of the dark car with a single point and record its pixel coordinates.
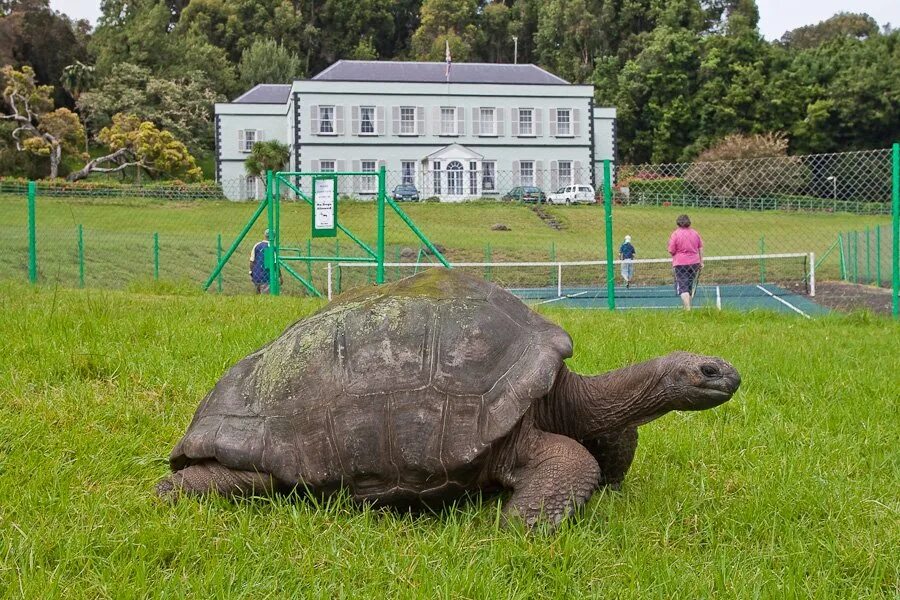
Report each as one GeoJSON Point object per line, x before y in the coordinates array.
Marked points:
{"type": "Point", "coordinates": [526, 193]}
{"type": "Point", "coordinates": [405, 191]}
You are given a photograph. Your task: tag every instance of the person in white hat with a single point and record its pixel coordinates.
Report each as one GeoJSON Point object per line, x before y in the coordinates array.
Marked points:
{"type": "Point", "coordinates": [626, 255]}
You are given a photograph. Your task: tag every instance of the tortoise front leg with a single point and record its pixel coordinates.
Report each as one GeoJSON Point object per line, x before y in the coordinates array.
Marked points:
{"type": "Point", "coordinates": [555, 476]}
{"type": "Point", "coordinates": [614, 453]}
{"type": "Point", "coordinates": [211, 477]}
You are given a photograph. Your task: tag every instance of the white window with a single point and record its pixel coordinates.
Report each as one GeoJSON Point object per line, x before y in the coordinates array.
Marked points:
{"type": "Point", "coordinates": [407, 120]}
{"type": "Point", "coordinates": [526, 121]}
{"type": "Point", "coordinates": [326, 166]}
{"type": "Point", "coordinates": [448, 120]}
{"type": "Point", "coordinates": [473, 178]}
{"type": "Point", "coordinates": [436, 176]}
{"type": "Point", "coordinates": [526, 172]}
{"type": "Point", "coordinates": [488, 117]}
{"type": "Point", "coordinates": [326, 120]}
{"type": "Point", "coordinates": [368, 184]}
{"type": "Point", "coordinates": [565, 172]}
{"type": "Point", "coordinates": [367, 120]}
{"type": "Point", "coordinates": [247, 138]}
{"type": "Point", "coordinates": [488, 176]}
{"type": "Point", "coordinates": [407, 172]}
{"type": "Point", "coordinates": [251, 187]}
{"type": "Point", "coordinates": [455, 178]}
{"type": "Point", "coordinates": [563, 121]}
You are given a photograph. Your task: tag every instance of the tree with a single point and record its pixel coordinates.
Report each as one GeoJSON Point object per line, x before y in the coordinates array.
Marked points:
{"type": "Point", "coordinates": [40, 130]}
{"type": "Point", "coordinates": [748, 166]}
{"type": "Point", "coordinates": [267, 156]}
{"type": "Point", "coordinates": [183, 106]}
{"type": "Point", "coordinates": [267, 61]}
{"type": "Point", "coordinates": [567, 38]}
{"type": "Point", "coordinates": [443, 22]}
{"type": "Point", "coordinates": [842, 25]}
{"type": "Point", "coordinates": [140, 144]}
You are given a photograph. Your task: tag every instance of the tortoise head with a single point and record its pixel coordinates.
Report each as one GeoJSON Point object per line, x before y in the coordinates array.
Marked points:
{"type": "Point", "coordinates": [697, 382]}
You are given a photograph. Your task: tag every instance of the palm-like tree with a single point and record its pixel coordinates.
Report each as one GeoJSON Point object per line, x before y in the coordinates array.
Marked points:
{"type": "Point", "coordinates": [267, 156]}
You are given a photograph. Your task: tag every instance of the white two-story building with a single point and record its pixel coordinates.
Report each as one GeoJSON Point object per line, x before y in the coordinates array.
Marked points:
{"type": "Point", "coordinates": [481, 131]}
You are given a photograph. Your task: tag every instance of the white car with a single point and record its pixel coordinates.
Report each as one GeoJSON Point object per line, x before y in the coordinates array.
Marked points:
{"type": "Point", "coordinates": [573, 194]}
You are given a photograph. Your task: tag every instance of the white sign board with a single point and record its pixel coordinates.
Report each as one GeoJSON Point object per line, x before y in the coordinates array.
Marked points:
{"type": "Point", "coordinates": [324, 205]}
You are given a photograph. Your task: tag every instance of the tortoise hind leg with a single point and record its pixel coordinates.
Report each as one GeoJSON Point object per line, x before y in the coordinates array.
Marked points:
{"type": "Point", "coordinates": [556, 475]}
{"type": "Point", "coordinates": [213, 478]}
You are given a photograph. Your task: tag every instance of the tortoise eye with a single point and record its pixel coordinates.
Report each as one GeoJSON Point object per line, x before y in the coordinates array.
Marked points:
{"type": "Point", "coordinates": [710, 371]}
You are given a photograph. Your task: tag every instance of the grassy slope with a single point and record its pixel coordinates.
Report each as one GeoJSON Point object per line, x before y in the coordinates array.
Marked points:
{"type": "Point", "coordinates": [118, 235]}
{"type": "Point", "coordinates": [787, 491]}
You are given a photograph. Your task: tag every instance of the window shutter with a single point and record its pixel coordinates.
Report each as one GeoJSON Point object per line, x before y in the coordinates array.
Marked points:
{"type": "Point", "coordinates": [379, 120]}
{"type": "Point", "coordinates": [516, 173]}
{"type": "Point", "coordinates": [435, 121]}
{"type": "Point", "coordinates": [539, 173]}
{"type": "Point", "coordinates": [241, 140]}
{"type": "Point", "coordinates": [576, 172]}
{"type": "Point", "coordinates": [314, 119]}
{"type": "Point", "coordinates": [395, 118]}
{"type": "Point", "coordinates": [460, 120]}
{"type": "Point", "coordinates": [354, 121]}
{"type": "Point", "coordinates": [500, 121]}
{"type": "Point", "coordinates": [554, 175]}
{"type": "Point", "coordinates": [339, 120]}
{"type": "Point", "coordinates": [576, 122]}
{"type": "Point", "coordinates": [514, 122]}
{"type": "Point", "coordinates": [538, 117]}
{"type": "Point", "coordinates": [355, 167]}
{"type": "Point", "coordinates": [552, 122]}
{"type": "Point", "coordinates": [476, 121]}
{"type": "Point", "coordinates": [420, 120]}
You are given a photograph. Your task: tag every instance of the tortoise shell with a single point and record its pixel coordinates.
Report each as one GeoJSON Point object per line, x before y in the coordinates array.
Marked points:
{"type": "Point", "coordinates": [396, 391]}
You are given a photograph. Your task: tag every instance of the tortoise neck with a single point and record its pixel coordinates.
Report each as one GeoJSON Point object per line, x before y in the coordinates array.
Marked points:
{"type": "Point", "coordinates": [585, 407]}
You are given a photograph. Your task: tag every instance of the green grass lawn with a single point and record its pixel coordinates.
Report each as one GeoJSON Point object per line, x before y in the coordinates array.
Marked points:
{"type": "Point", "coordinates": [118, 245]}
{"type": "Point", "coordinates": [787, 491]}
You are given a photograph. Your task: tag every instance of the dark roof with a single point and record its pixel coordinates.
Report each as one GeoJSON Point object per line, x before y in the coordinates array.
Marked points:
{"type": "Point", "coordinates": [435, 72]}
{"type": "Point", "coordinates": [266, 93]}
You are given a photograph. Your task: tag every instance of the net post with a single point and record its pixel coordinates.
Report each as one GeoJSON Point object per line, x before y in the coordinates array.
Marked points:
{"type": "Point", "coordinates": [812, 274]}
{"type": "Point", "coordinates": [559, 280]}
{"type": "Point", "coordinates": [895, 236]}
{"type": "Point", "coordinates": [328, 267]}
{"type": "Point", "coordinates": [607, 208]}
{"type": "Point", "coordinates": [32, 233]}
{"type": "Point", "coordinates": [379, 250]}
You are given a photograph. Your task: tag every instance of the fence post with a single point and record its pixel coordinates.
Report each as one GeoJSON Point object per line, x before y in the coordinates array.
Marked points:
{"type": "Point", "coordinates": [272, 250]}
{"type": "Point", "coordinates": [219, 260]}
{"type": "Point", "coordinates": [878, 255]}
{"type": "Point", "coordinates": [855, 257]}
{"type": "Point", "coordinates": [379, 251]}
{"type": "Point", "coordinates": [607, 207]}
{"type": "Point", "coordinates": [843, 263]}
{"type": "Point", "coordinates": [32, 233]}
{"type": "Point", "coordinates": [895, 237]}
{"type": "Point", "coordinates": [156, 256]}
{"type": "Point", "coordinates": [80, 256]}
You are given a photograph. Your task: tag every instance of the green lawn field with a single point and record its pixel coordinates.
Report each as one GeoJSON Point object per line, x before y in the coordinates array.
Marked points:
{"type": "Point", "coordinates": [787, 491]}
{"type": "Point", "coordinates": [118, 242]}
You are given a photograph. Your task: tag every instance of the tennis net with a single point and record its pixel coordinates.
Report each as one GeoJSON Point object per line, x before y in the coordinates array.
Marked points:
{"type": "Point", "coordinates": [726, 276]}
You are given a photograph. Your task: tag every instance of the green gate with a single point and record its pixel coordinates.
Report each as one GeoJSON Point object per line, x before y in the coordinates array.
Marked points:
{"type": "Point", "coordinates": [325, 223]}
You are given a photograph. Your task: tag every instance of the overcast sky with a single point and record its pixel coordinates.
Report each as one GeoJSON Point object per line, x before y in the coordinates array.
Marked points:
{"type": "Point", "coordinates": [776, 16]}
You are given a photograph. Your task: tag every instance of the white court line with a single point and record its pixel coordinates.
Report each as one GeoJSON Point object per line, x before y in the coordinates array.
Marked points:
{"type": "Point", "coordinates": [562, 298]}
{"type": "Point", "coordinates": [785, 302]}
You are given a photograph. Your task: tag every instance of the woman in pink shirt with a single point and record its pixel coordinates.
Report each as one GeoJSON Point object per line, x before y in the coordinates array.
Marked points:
{"type": "Point", "coordinates": [686, 248]}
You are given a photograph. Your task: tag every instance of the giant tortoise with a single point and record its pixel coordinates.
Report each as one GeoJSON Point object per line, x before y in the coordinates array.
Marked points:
{"type": "Point", "coordinates": [423, 390]}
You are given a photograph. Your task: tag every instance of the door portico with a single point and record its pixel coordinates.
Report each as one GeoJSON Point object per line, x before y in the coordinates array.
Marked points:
{"type": "Point", "coordinates": [452, 173]}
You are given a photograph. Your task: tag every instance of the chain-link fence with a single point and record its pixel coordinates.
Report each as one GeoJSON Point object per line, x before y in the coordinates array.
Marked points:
{"type": "Point", "coordinates": [771, 223]}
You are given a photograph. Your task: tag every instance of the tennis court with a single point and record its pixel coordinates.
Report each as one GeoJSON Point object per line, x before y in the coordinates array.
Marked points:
{"type": "Point", "coordinates": [744, 297]}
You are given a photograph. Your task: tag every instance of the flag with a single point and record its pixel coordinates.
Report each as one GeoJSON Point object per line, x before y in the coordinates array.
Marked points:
{"type": "Point", "coordinates": [448, 59]}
